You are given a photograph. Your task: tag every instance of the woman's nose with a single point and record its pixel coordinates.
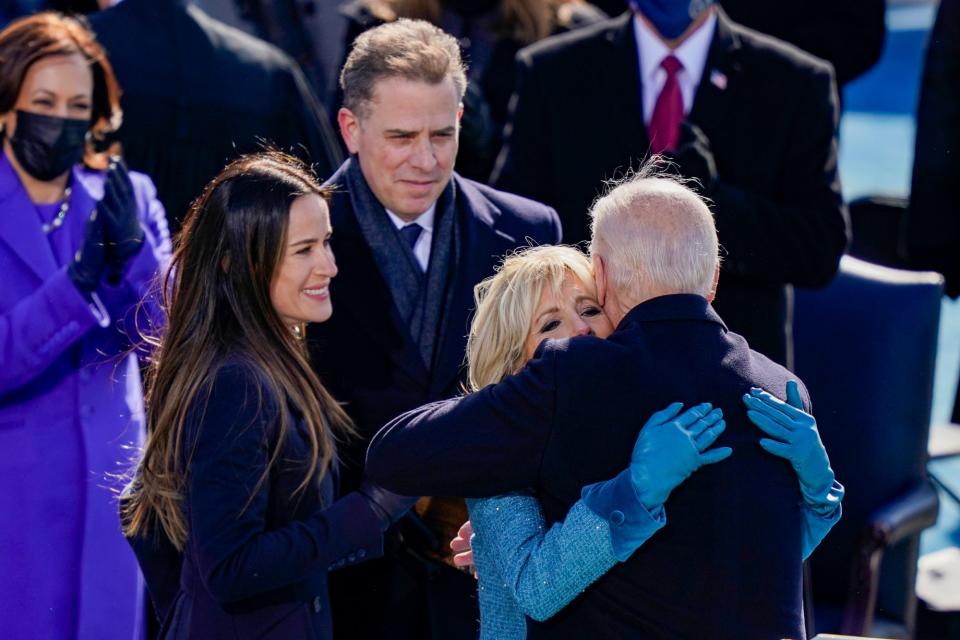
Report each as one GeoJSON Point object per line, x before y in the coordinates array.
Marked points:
{"type": "Point", "coordinates": [583, 329]}
{"type": "Point", "coordinates": [327, 266]}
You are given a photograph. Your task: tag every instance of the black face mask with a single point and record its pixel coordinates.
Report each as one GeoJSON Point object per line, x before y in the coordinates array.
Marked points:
{"type": "Point", "coordinates": [47, 146]}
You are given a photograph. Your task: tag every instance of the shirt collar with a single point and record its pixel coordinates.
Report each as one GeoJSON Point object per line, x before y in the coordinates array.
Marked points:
{"type": "Point", "coordinates": [692, 52]}
{"type": "Point", "coordinates": [425, 219]}
{"type": "Point", "coordinates": [677, 306]}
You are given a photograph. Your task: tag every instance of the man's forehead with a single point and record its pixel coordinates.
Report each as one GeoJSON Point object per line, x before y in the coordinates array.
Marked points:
{"type": "Point", "coordinates": [412, 105]}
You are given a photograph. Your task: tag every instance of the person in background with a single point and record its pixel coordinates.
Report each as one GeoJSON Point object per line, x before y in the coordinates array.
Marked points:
{"type": "Point", "coordinates": [490, 32]}
{"type": "Point", "coordinates": [849, 34]}
{"type": "Point", "coordinates": [930, 233]}
{"type": "Point", "coordinates": [232, 509]}
{"type": "Point", "coordinates": [81, 243]}
{"type": "Point", "coordinates": [751, 119]}
{"type": "Point", "coordinates": [198, 93]}
{"type": "Point", "coordinates": [413, 238]}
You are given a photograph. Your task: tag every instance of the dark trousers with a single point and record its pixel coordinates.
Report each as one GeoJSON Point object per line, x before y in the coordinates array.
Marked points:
{"type": "Point", "coordinates": [403, 598]}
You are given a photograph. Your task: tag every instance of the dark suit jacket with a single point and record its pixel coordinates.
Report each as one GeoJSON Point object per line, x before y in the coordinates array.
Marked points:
{"type": "Point", "coordinates": [932, 226]}
{"type": "Point", "coordinates": [849, 34]}
{"type": "Point", "coordinates": [368, 360]}
{"type": "Point", "coordinates": [197, 93]}
{"type": "Point", "coordinates": [256, 570]}
{"type": "Point", "coordinates": [577, 121]}
{"type": "Point", "coordinates": [728, 562]}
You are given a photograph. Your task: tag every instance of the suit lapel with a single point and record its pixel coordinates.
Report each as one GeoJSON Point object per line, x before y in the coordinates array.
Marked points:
{"type": "Point", "coordinates": [621, 76]}
{"type": "Point", "coordinates": [482, 246]}
{"type": "Point", "coordinates": [20, 227]}
{"type": "Point", "coordinates": [361, 291]}
{"type": "Point", "coordinates": [720, 81]}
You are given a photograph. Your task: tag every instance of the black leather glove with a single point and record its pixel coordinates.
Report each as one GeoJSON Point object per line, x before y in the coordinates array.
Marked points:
{"type": "Point", "coordinates": [118, 213]}
{"type": "Point", "coordinates": [693, 158]}
{"type": "Point", "coordinates": [90, 259]}
{"type": "Point", "coordinates": [388, 506]}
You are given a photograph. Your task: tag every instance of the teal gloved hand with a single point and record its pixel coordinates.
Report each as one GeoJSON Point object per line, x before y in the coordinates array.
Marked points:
{"type": "Point", "coordinates": [793, 436]}
{"type": "Point", "coordinates": [670, 447]}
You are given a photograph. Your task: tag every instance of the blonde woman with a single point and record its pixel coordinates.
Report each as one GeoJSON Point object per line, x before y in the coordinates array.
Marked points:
{"type": "Point", "coordinates": [523, 567]}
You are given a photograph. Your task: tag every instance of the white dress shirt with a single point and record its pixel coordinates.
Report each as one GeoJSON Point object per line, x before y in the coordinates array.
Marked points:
{"type": "Point", "coordinates": [421, 248]}
{"type": "Point", "coordinates": [692, 54]}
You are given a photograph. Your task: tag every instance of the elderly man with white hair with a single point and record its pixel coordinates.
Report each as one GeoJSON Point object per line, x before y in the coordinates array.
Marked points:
{"type": "Point", "coordinates": [728, 562]}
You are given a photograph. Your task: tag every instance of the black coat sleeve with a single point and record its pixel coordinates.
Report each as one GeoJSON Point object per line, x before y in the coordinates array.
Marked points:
{"type": "Point", "coordinates": [523, 164]}
{"type": "Point", "coordinates": [799, 237]}
{"type": "Point", "coordinates": [480, 445]}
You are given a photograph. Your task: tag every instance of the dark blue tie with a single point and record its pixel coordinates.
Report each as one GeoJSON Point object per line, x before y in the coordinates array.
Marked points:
{"type": "Point", "coordinates": [411, 233]}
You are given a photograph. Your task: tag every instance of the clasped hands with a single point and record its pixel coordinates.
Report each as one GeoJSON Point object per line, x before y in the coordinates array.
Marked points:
{"type": "Point", "coordinates": [113, 234]}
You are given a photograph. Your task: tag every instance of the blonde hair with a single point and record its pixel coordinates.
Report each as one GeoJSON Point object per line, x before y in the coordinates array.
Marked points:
{"type": "Point", "coordinates": [656, 236]}
{"type": "Point", "coordinates": [506, 302]}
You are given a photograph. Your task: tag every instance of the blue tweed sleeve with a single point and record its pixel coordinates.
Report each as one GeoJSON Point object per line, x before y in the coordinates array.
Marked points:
{"type": "Point", "coordinates": [526, 569]}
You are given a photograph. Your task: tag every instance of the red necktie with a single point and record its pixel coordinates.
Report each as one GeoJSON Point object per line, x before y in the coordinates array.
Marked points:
{"type": "Point", "coordinates": [664, 128]}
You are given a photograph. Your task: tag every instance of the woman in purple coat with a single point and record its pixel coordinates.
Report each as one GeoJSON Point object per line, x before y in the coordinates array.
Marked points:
{"type": "Point", "coordinates": [81, 242]}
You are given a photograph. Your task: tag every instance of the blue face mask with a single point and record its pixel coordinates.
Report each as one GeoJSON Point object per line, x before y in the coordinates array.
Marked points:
{"type": "Point", "coordinates": [670, 17]}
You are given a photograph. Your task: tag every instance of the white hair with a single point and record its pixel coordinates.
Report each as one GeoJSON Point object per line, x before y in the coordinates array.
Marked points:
{"type": "Point", "coordinates": [656, 236]}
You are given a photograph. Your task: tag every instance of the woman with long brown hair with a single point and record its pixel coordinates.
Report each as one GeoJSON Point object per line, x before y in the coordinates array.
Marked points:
{"type": "Point", "coordinates": [231, 510]}
{"type": "Point", "coordinates": [81, 241]}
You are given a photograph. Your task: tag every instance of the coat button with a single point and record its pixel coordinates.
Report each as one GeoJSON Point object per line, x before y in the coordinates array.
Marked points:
{"type": "Point", "coordinates": [617, 517]}
{"type": "Point", "coordinates": [317, 604]}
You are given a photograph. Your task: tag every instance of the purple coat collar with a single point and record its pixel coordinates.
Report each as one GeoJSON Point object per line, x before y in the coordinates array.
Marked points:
{"type": "Point", "coordinates": [21, 231]}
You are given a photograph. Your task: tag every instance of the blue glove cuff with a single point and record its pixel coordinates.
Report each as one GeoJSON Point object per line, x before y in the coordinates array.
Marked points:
{"type": "Point", "coordinates": [631, 524]}
{"type": "Point", "coordinates": [825, 502]}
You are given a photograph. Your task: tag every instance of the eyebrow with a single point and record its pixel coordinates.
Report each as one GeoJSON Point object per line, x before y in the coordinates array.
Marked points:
{"type": "Point", "coordinates": [550, 310]}
{"type": "Point", "coordinates": [405, 132]}
{"type": "Point", "coordinates": [304, 241]}
{"type": "Point", "coordinates": [47, 92]}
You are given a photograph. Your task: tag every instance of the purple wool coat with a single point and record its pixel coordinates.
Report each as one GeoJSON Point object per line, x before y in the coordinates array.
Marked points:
{"type": "Point", "coordinates": [71, 419]}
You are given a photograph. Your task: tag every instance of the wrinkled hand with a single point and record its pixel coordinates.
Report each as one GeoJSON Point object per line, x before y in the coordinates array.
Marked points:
{"type": "Point", "coordinates": [89, 261]}
{"type": "Point", "coordinates": [118, 213]}
{"type": "Point", "coordinates": [693, 158]}
{"type": "Point", "coordinates": [388, 506]}
{"type": "Point", "coordinates": [793, 436]}
{"type": "Point", "coordinates": [670, 447]}
{"type": "Point", "coordinates": [462, 549]}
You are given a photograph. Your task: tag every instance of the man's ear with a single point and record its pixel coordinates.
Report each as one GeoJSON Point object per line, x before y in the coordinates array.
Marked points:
{"type": "Point", "coordinates": [349, 128]}
{"type": "Point", "coordinates": [713, 289]}
{"type": "Point", "coordinates": [600, 276]}
{"type": "Point", "coordinates": [460, 112]}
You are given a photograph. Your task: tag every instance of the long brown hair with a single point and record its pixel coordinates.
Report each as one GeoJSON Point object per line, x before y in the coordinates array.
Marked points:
{"type": "Point", "coordinates": [217, 297]}
{"type": "Point", "coordinates": [42, 35]}
{"type": "Point", "coordinates": [526, 21]}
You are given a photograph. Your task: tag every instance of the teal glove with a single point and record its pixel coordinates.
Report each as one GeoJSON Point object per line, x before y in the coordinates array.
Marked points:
{"type": "Point", "coordinates": [671, 447]}
{"type": "Point", "coordinates": [795, 438]}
